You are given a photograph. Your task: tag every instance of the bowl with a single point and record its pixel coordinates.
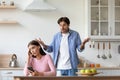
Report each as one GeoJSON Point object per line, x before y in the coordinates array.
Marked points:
{"type": "Point", "coordinates": [87, 74]}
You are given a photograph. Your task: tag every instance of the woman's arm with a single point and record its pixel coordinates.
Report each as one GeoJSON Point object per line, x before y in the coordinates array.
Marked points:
{"type": "Point", "coordinates": [52, 71]}
{"type": "Point", "coordinates": [26, 73]}
{"type": "Point", "coordinates": [28, 63]}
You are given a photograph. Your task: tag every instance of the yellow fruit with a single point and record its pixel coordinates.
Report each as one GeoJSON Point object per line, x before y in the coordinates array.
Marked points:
{"type": "Point", "coordinates": [82, 71]}
{"type": "Point", "coordinates": [87, 71]}
{"type": "Point", "coordinates": [93, 70]}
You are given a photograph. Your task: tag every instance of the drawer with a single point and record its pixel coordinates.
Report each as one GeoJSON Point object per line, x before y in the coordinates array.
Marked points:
{"type": "Point", "coordinates": [11, 72]}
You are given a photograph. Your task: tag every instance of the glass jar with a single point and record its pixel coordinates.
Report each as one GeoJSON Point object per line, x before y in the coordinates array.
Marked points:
{"type": "Point", "coordinates": [11, 3]}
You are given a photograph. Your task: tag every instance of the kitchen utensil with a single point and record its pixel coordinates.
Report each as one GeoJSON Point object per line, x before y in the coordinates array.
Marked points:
{"type": "Point", "coordinates": [90, 45]}
{"type": "Point", "coordinates": [93, 44]}
{"type": "Point", "coordinates": [109, 55]}
{"type": "Point", "coordinates": [104, 56]}
{"type": "Point", "coordinates": [98, 56]}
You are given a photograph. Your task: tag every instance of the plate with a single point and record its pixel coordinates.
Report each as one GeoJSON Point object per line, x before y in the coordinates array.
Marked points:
{"type": "Point", "coordinates": [86, 74]}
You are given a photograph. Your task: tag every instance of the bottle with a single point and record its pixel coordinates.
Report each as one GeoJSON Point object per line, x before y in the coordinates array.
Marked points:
{"type": "Point", "coordinates": [85, 64]}
{"type": "Point", "coordinates": [3, 3]}
{"type": "Point", "coordinates": [95, 32]}
{"type": "Point", "coordinates": [97, 2]}
{"type": "Point", "coordinates": [12, 3]}
{"type": "Point", "coordinates": [97, 16]}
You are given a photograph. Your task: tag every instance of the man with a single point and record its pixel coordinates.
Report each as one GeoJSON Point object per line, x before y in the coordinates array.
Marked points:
{"type": "Point", "coordinates": [64, 47]}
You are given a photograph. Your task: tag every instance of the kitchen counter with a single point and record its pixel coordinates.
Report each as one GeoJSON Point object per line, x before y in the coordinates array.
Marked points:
{"type": "Point", "coordinates": [106, 71]}
{"type": "Point", "coordinates": [68, 78]}
{"type": "Point", "coordinates": [106, 68]}
{"type": "Point", "coordinates": [11, 68]}
{"type": "Point", "coordinates": [7, 73]}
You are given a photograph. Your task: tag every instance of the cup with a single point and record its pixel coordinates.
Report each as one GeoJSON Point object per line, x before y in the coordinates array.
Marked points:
{"type": "Point", "coordinates": [92, 65]}
{"type": "Point", "coordinates": [95, 32]}
{"type": "Point", "coordinates": [97, 65]}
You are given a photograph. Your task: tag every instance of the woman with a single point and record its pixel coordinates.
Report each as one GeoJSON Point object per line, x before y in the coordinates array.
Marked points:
{"type": "Point", "coordinates": [41, 62]}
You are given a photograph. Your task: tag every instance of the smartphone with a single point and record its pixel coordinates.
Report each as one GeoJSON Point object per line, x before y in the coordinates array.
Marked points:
{"type": "Point", "coordinates": [30, 68]}
{"type": "Point", "coordinates": [33, 56]}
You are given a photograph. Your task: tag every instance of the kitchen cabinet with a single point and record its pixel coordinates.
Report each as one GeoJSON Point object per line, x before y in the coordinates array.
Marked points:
{"type": "Point", "coordinates": [104, 19]}
{"type": "Point", "coordinates": [9, 73]}
{"type": "Point", "coordinates": [108, 72]}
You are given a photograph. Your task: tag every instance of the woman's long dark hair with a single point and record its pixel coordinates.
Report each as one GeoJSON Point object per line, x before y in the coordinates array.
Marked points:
{"type": "Point", "coordinates": [36, 43]}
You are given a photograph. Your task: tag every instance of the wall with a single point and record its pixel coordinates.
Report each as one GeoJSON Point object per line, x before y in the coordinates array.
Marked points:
{"type": "Point", "coordinates": [43, 24]}
{"type": "Point", "coordinates": [31, 25]}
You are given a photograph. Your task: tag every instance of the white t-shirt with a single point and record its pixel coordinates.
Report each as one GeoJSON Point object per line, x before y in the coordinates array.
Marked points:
{"type": "Point", "coordinates": [64, 57]}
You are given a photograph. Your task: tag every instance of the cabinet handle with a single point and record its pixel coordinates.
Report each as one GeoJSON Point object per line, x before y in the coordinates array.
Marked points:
{"type": "Point", "coordinates": [9, 72]}
{"type": "Point", "coordinates": [110, 30]}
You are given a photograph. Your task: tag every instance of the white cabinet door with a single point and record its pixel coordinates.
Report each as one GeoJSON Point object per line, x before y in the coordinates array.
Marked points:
{"type": "Point", "coordinates": [8, 74]}
{"type": "Point", "coordinates": [106, 72]}
{"type": "Point", "coordinates": [117, 17]}
{"type": "Point", "coordinates": [104, 19]}
{"type": "Point", "coordinates": [99, 18]}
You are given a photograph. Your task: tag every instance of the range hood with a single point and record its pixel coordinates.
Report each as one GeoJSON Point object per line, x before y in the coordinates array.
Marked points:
{"type": "Point", "coordinates": [38, 5]}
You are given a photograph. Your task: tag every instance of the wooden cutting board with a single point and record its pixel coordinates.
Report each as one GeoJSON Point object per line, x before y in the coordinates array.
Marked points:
{"type": "Point", "coordinates": [4, 60]}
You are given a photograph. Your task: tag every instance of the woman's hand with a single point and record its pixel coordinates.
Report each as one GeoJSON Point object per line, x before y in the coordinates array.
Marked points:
{"type": "Point", "coordinates": [35, 73]}
{"type": "Point", "coordinates": [29, 56]}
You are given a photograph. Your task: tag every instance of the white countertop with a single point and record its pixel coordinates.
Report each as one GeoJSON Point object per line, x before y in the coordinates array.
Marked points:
{"type": "Point", "coordinates": [106, 68]}
{"type": "Point", "coordinates": [11, 68]}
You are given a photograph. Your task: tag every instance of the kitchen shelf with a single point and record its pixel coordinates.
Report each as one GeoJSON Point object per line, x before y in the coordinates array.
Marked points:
{"type": "Point", "coordinates": [7, 7]}
{"type": "Point", "coordinates": [94, 6]}
{"type": "Point", "coordinates": [117, 6]}
{"type": "Point", "coordinates": [8, 22]}
{"type": "Point", "coordinates": [104, 38]}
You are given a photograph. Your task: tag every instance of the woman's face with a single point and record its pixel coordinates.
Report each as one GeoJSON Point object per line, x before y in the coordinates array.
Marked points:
{"type": "Point", "coordinates": [34, 49]}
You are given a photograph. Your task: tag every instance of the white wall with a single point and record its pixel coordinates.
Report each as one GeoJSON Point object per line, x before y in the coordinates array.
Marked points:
{"type": "Point", "coordinates": [31, 25]}
{"type": "Point", "coordinates": [43, 24]}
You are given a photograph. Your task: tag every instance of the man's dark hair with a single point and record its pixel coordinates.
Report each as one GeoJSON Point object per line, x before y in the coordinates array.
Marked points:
{"type": "Point", "coordinates": [65, 19]}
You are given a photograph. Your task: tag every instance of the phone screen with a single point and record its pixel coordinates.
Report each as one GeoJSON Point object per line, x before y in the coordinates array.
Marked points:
{"type": "Point", "coordinates": [30, 68]}
{"type": "Point", "coordinates": [33, 56]}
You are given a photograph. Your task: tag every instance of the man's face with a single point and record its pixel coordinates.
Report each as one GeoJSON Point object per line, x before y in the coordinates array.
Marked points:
{"type": "Point", "coordinates": [64, 27]}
